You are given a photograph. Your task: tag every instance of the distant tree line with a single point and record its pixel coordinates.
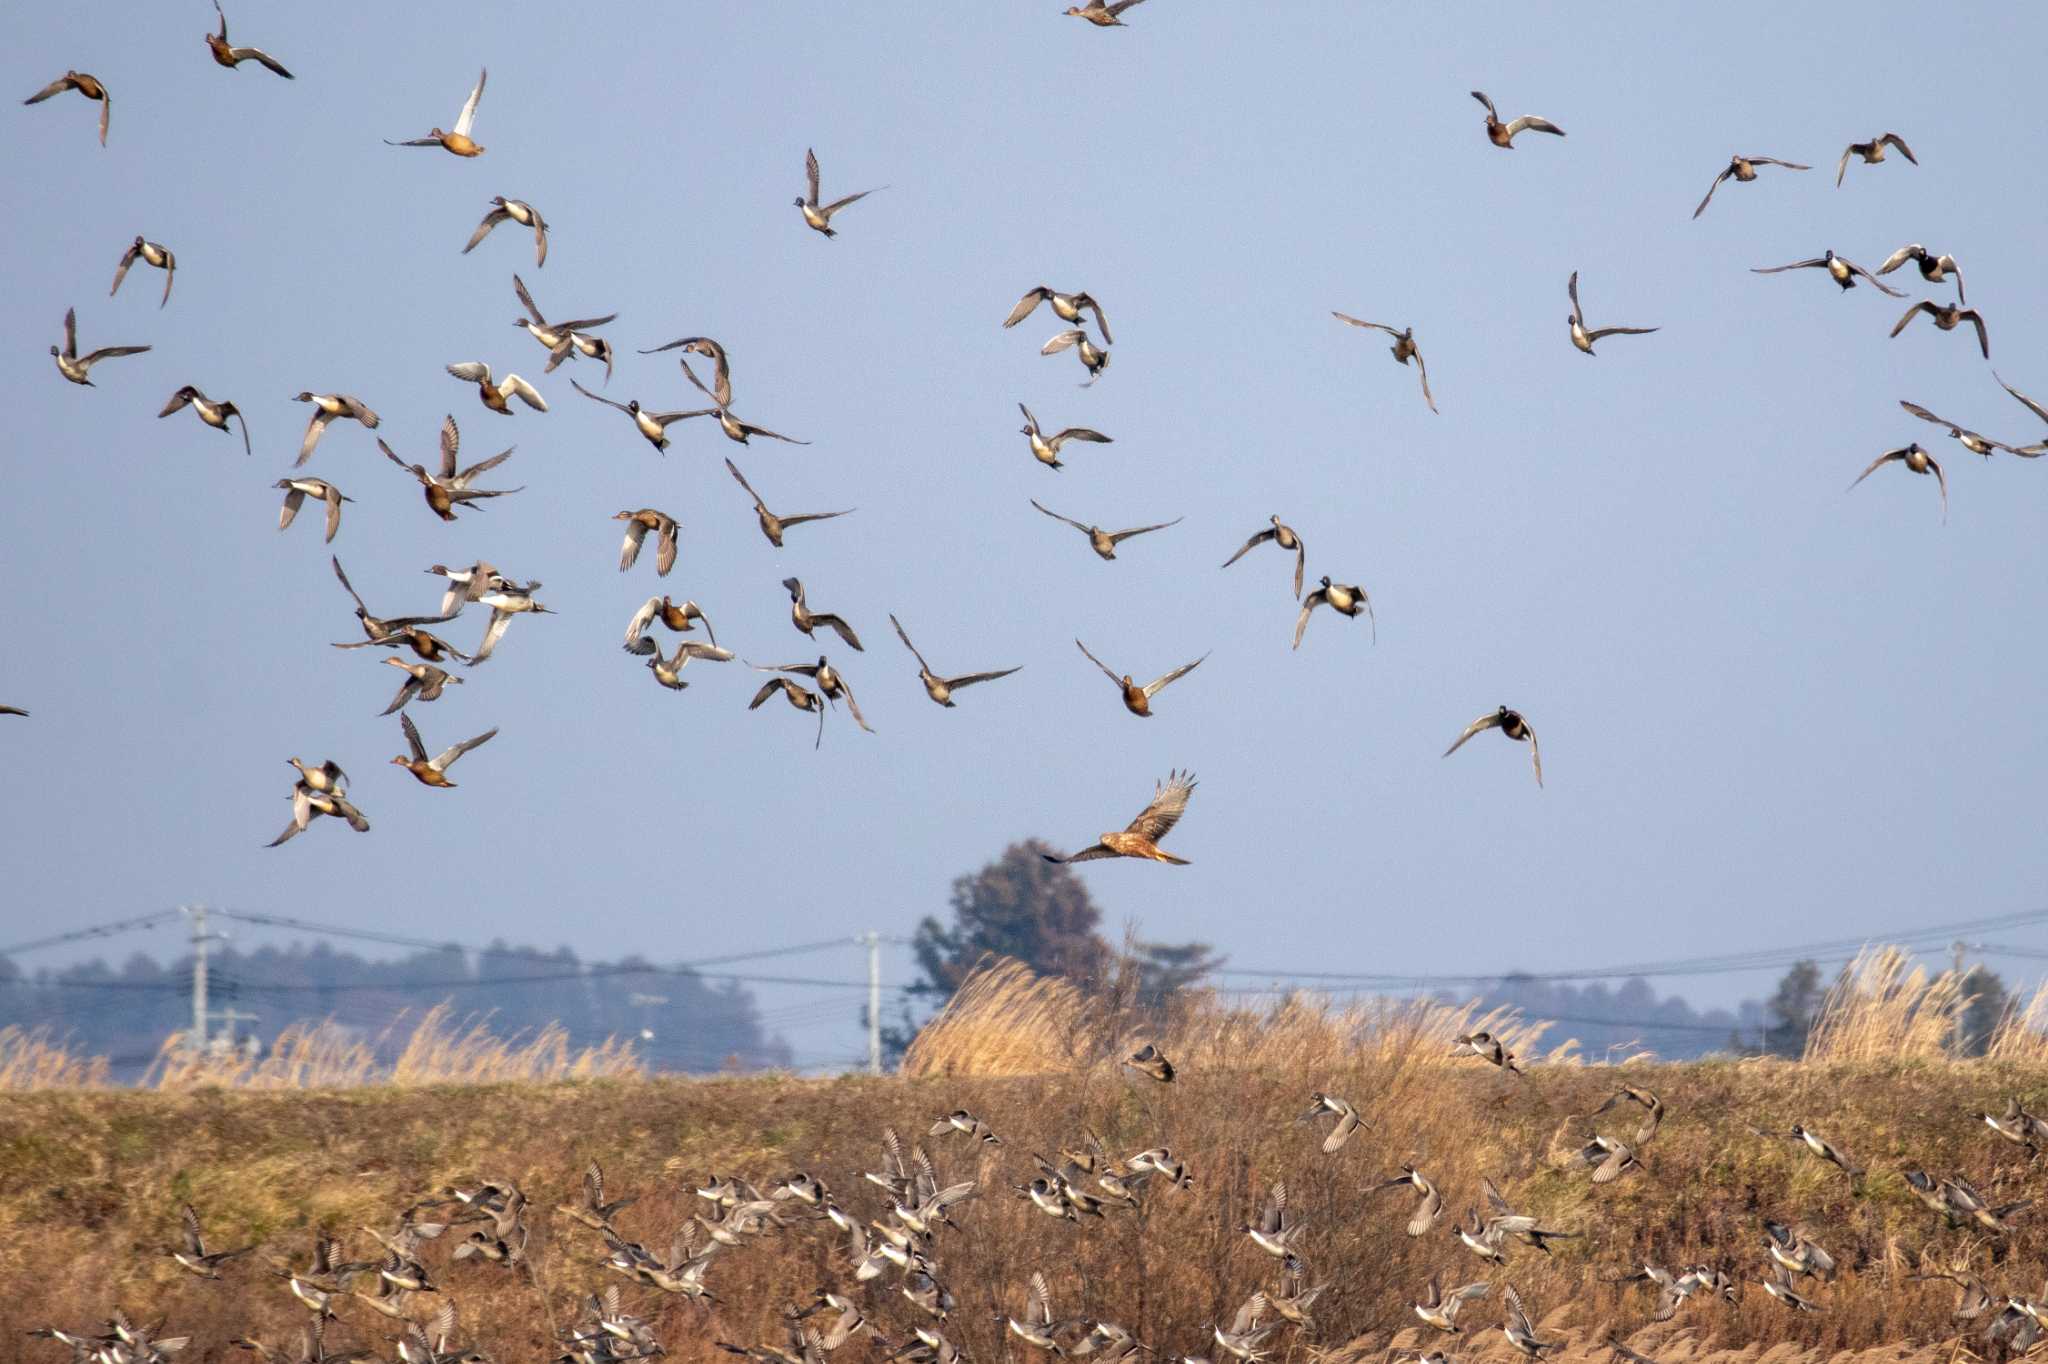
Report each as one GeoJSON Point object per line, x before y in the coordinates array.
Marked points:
{"type": "Point", "coordinates": [677, 1019]}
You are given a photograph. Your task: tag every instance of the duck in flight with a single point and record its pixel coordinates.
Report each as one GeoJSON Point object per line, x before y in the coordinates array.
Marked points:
{"type": "Point", "coordinates": [1282, 535]}
{"type": "Point", "coordinates": [1916, 459]}
{"type": "Point", "coordinates": [76, 367]}
{"type": "Point", "coordinates": [1872, 152]}
{"type": "Point", "coordinates": [1841, 270]}
{"type": "Point", "coordinates": [941, 689]}
{"type": "Point", "coordinates": [458, 139]}
{"type": "Point", "coordinates": [84, 84]}
{"type": "Point", "coordinates": [518, 211]}
{"type": "Point", "coordinates": [1137, 699]}
{"type": "Point", "coordinates": [1346, 599]}
{"type": "Point", "coordinates": [214, 414]}
{"type": "Point", "coordinates": [772, 525]}
{"type": "Point", "coordinates": [1103, 542]}
{"type": "Point", "coordinates": [1742, 169]}
{"type": "Point", "coordinates": [149, 253]}
{"type": "Point", "coordinates": [1403, 350]}
{"type": "Point", "coordinates": [1948, 317]}
{"type": "Point", "coordinates": [1584, 339]}
{"type": "Point", "coordinates": [1503, 134]}
{"type": "Point", "coordinates": [1046, 449]}
{"type": "Point", "coordinates": [1511, 724]}
{"type": "Point", "coordinates": [819, 216]}
{"type": "Point", "coordinates": [232, 57]}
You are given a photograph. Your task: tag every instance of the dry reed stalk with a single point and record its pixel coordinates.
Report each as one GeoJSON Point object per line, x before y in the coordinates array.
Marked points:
{"type": "Point", "coordinates": [2022, 1031]}
{"type": "Point", "coordinates": [1883, 1007]}
{"type": "Point", "coordinates": [30, 1060]}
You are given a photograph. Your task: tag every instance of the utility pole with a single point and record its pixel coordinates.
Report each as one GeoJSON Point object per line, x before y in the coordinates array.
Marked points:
{"type": "Point", "coordinates": [201, 1014]}
{"type": "Point", "coordinates": [200, 939]}
{"type": "Point", "coordinates": [873, 942]}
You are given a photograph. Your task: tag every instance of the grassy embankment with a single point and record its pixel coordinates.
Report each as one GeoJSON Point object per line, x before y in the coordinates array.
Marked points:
{"type": "Point", "coordinates": [91, 1180]}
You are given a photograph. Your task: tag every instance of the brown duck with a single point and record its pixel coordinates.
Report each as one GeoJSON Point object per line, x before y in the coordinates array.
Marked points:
{"type": "Point", "coordinates": [1104, 542]}
{"type": "Point", "coordinates": [1283, 536]}
{"type": "Point", "coordinates": [1948, 316]}
{"type": "Point", "coordinates": [1503, 134]}
{"type": "Point", "coordinates": [434, 771]}
{"type": "Point", "coordinates": [1403, 350]}
{"type": "Point", "coordinates": [1345, 599]}
{"type": "Point", "coordinates": [638, 524]}
{"type": "Point", "coordinates": [1137, 699]}
{"type": "Point", "coordinates": [86, 85]}
{"type": "Point", "coordinates": [772, 525]}
{"type": "Point", "coordinates": [1511, 724]}
{"type": "Point", "coordinates": [232, 57]}
{"type": "Point", "coordinates": [1916, 459]}
{"type": "Point", "coordinates": [830, 683]}
{"type": "Point", "coordinates": [1742, 169]}
{"type": "Point", "coordinates": [721, 370]}
{"type": "Point", "coordinates": [1872, 152]}
{"type": "Point", "coordinates": [458, 140]}
{"type": "Point", "coordinates": [807, 620]}
{"type": "Point", "coordinates": [424, 682]}
{"type": "Point", "coordinates": [796, 696]}
{"type": "Point", "coordinates": [941, 689]}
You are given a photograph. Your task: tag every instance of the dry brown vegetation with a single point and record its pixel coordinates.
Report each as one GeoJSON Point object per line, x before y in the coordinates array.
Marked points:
{"type": "Point", "coordinates": [91, 1181]}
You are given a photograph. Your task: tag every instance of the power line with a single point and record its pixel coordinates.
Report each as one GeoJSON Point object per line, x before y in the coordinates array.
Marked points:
{"type": "Point", "coordinates": [106, 930]}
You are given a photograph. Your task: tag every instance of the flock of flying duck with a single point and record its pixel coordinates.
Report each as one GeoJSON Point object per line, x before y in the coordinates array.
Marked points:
{"type": "Point", "coordinates": [813, 687]}
{"type": "Point", "coordinates": [1087, 1183]}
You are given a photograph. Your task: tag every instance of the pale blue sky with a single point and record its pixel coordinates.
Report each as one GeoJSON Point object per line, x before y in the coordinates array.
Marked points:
{"type": "Point", "coordinates": [1770, 711]}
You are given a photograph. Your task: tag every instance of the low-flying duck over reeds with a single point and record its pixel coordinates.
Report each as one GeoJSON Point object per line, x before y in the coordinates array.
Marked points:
{"type": "Point", "coordinates": [1140, 838]}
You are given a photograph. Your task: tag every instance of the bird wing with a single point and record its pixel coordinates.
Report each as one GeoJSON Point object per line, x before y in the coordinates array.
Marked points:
{"type": "Point", "coordinates": [482, 466]}
{"type": "Point", "coordinates": [1082, 433]}
{"type": "Point", "coordinates": [846, 690]}
{"type": "Point", "coordinates": [665, 549]}
{"type": "Point", "coordinates": [121, 270]}
{"type": "Point", "coordinates": [1423, 369]}
{"type": "Point", "coordinates": [1061, 341]}
{"type": "Point", "coordinates": [734, 470]}
{"type": "Point", "coordinates": [1875, 282]}
{"type": "Point", "coordinates": [501, 621]}
{"type": "Point", "coordinates": [1815, 262]}
{"type": "Point", "coordinates": [1774, 161]}
{"type": "Point", "coordinates": [1038, 1301]}
{"type": "Point", "coordinates": [446, 758]}
{"type": "Point", "coordinates": [412, 738]}
{"type": "Point", "coordinates": [1484, 722]}
{"type": "Point", "coordinates": [801, 517]}
{"type": "Point", "coordinates": [1357, 322]}
{"type": "Point", "coordinates": [892, 620]}
{"type": "Point", "coordinates": [829, 209]}
{"type": "Point", "coordinates": [171, 274]}
{"type": "Point", "coordinates": [1120, 536]}
{"type": "Point", "coordinates": [599, 398]}
{"type": "Point", "coordinates": [1923, 414]}
{"type": "Point", "coordinates": [1157, 684]}
{"type": "Point", "coordinates": [293, 499]}
{"type": "Point", "coordinates": [1922, 305]}
{"type": "Point", "coordinates": [190, 1222]}
{"type": "Point", "coordinates": [346, 585]}
{"type": "Point", "coordinates": [1725, 173]}
{"type": "Point", "coordinates": [1096, 661]}
{"type": "Point", "coordinates": [1251, 544]}
{"type": "Point", "coordinates": [1895, 140]}
{"type": "Point", "coordinates": [518, 387]}
{"type": "Point", "coordinates": [1025, 307]}
{"type": "Point", "coordinates": [188, 393]}
{"type": "Point", "coordinates": [629, 550]}
{"type": "Point", "coordinates": [1491, 112]}
{"type": "Point", "coordinates": [526, 301]}
{"type": "Point", "coordinates": [471, 371]}
{"type": "Point", "coordinates": [466, 120]}
{"type": "Point", "coordinates": [1308, 604]}
{"type": "Point", "coordinates": [2023, 399]}
{"type": "Point", "coordinates": [1154, 823]}
{"type": "Point", "coordinates": [1899, 257]}
{"type": "Point", "coordinates": [334, 499]}
{"type": "Point", "coordinates": [956, 683]}
{"type": "Point", "coordinates": [1593, 336]}
{"type": "Point", "coordinates": [71, 325]}
{"type": "Point", "coordinates": [1880, 460]}
{"type": "Point", "coordinates": [811, 176]}
{"type": "Point", "coordinates": [1572, 287]}
{"type": "Point", "coordinates": [1085, 530]}
{"type": "Point", "coordinates": [1983, 337]}
{"type": "Point", "coordinates": [1941, 479]}
{"type": "Point", "coordinates": [1531, 123]}
{"type": "Point", "coordinates": [483, 229]}
{"type": "Point", "coordinates": [754, 430]}
{"type": "Point", "coordinates": [1842, 166]}
{"type": "Point", "coordinates": [55, 87]}
{"type": "Point", "coordinates": [314, 430]}
{"type": "Point", "coordinates": [1101, 322]}
{"type": "Point", "coordinates": [1426, 1213]}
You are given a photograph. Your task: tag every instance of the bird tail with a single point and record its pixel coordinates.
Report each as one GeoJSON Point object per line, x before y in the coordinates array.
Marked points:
{"type": "Point", "coordinates": [1169, 857]}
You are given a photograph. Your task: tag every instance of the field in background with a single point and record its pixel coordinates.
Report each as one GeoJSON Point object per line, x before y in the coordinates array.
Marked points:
{"type": "Point", "coordinates": [91, 1178]}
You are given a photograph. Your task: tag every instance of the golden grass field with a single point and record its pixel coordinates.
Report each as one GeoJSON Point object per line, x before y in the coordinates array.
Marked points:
{"type": "Point", "coordinates": [91, 1178]}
